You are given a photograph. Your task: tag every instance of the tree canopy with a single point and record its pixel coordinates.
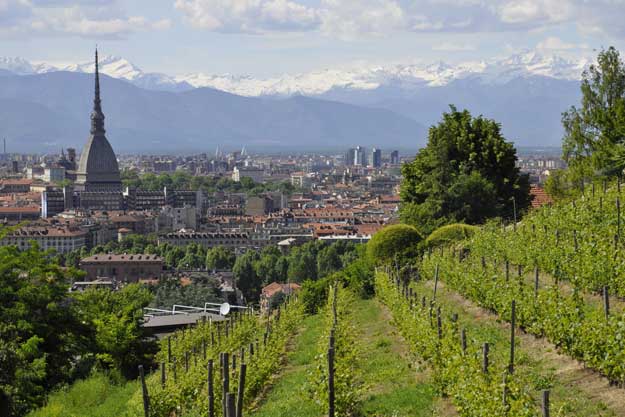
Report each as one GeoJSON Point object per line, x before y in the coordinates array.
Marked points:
{"type": "Point", "coordinates": [467, 173]}
{"type": "Point", "coordinates": [450, 233]}
{"type": "Point", "coordinates": [594, 141]}
{"type": "Point", "coordinates": [395, 242]}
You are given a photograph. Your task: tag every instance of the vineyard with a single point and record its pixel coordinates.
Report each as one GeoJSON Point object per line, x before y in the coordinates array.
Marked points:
{"type": "Point", "coordinates": [517, 320]}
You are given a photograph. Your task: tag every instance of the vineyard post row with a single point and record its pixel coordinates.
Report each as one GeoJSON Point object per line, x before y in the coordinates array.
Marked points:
{"type": "Point", "coordinates": [403, 294]}
{"type": "Point", "coordinates": [227, 339]}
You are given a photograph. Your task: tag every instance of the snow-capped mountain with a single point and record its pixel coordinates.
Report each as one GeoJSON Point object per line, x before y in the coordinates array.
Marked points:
{"type": "Point", "coordinates": [526, 92]}
{"type": "Point", "coordinates": [316, 83]}
{"type": "Point", "coordinates": [409, 77]}
{"type": "Point", "coordinates": [113, 66]}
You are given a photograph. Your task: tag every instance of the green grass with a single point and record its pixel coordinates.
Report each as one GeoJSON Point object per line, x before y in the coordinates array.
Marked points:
{"type": "Point", "coordinates": [287, 397]}
{"type": "Point", "coordinates": [95, 396]}
{"type": "Point", "coordinates": [392, 386]}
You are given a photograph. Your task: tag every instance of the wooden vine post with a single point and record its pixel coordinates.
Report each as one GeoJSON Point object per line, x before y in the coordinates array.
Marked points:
{"type": "Point", "coordinates": [211, 390]}
{"type": "Point", "coordinates": [536, 275]}
{"type": "Point", "coordinates": [241, 390]}
{"type": "Point", "coordinates": [436, 280]}
{"type": "Point", "coordinates": [331, 382]}
{"type": "Point", "coordinates": [545, 403]}
{"type": "Point", "coordinates": [144, 391]}
{"type": "Point", "coordinates": [512, 328]}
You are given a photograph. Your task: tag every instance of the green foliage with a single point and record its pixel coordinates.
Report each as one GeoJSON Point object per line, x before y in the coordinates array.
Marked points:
{"type": "Point", "coordinates": [573, 242]}
{"type": "Point", "coordinates": [559, 185]}
{"type": "Point", "coordinates": [40, 333]}
{"type": "Point", "coordinates": [347, 381]}
{"type": "Point", "coordinates": [96, 396]}
{"type": "Point", "coordinates": [49, 337]}
{"type": "Point", "coordinates": [220, 258]}
{"type": "Point", "coordinates": [170, 291]}
{"type": "Point", "coordinates": [245, 275]}
{"type": "Point", "coordinates": [395, 242]}
{"type": "Point", "coordinates": [114, 317]}
{"type": "Point", "coordinates": [180, 180]}
{"type": "Point", "coordinates": [456, 374]}
{"type": "Point", "coordinates": [594, 133]}
{"type": "Point", "coordinates": [449, 234]}
{"type": "Point", "coordinates": [186, 393]}
{"type": "Point", "coordinates": [314, 293]}
{"type": "Point", "coordinates": [466, 173]}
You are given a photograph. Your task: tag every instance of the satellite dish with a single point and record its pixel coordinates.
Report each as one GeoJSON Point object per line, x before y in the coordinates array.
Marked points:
{"type": "Point", "coordinates": [224, 309]}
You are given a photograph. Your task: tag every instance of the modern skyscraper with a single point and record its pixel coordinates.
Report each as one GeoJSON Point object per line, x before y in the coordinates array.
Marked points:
{"type": "Point", "coordinates": [98, 170]}
{"type": "Point", "coordinates": [395, 158]}
{"type": "Point", "coordinates": [360, 156]}
{"type": "Point", "coordinates": [349, 157]}
{"type": "Point", "coordinates": [375, 160]}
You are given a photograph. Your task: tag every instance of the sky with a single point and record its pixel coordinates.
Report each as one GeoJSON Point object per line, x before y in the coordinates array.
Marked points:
{"type": "Point", "coordinates": [270, 37]}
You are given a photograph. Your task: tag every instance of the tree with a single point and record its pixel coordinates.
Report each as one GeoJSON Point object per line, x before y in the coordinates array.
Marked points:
{"type": "Point", "coordinates": [466, 173]}
{"type": "Point", "coordinates": [41, 338]}
{"type": "Point", "coordinates": [302, 264]}
{"type": "Point", "coordinates": [245, 275]}
{"type": "Point", "coordinates": [267, 267]}
{"type": "Point", "coordinates": [328, 260]}
{"type": "Point", "coordinates": [449, 234]}
{"type": "Point", "coordinates": [220, 258]}
{"type": "Point", "coordinates": [118, 341]}
{"type": "Point", "coordinates": [594, 140]}
{"type": "Point", "coordinates": [395, 242]}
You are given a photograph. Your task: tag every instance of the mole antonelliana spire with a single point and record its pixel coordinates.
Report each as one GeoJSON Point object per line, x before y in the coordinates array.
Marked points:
{"type": "Point", "coordinates": [98, 170]}
{"type": "Point", "coordinates": [97, 117]}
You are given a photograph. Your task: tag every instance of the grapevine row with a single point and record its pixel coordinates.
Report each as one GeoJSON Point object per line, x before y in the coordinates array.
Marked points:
{"type": "Point", "coordinates": [340, 339]}
{"type": "Point", "coordinates": [567, 241]}
{"type": "Point", "coordinates": [580, 330]}
{"type": "Point", "coordinates": [181, 385]}
{"type": "Point", "coordinates": [479, 384]}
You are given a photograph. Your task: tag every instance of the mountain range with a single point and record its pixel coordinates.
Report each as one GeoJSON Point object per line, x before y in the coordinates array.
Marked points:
{"type": "Point", "coordinates": [368, 105]}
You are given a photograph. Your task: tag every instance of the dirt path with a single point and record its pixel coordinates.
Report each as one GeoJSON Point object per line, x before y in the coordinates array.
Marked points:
{"type": "Point", "coordinates": [572, 382]}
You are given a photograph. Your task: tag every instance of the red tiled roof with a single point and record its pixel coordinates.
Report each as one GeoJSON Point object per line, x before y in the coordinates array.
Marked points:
{"type": "Point", "coordinates": [276, 287]}
{"type": "Point", "coordinates": [539, 196]}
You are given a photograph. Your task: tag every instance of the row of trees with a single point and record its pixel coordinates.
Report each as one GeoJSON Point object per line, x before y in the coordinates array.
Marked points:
{"type": "Point", "coordinates": [181, 180]}
{"type": "Point", "coordinates": [252, 270]}
{"type": "Point", "coordinates": [192, 256]}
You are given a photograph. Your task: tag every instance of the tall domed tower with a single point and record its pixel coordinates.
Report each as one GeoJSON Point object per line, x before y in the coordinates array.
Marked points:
{"type": "Point", "coordinates": [98, 170]}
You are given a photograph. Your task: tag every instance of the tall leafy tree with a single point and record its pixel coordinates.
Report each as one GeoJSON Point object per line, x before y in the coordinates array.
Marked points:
{"type": "Point", "coordinates": [41, 337]}
{"type": "Point", "coordinates": [220, 258]}
{"type": "Point", "coordinates": [114, 317]}
{"type": "Point", "coordinates": [466, 173]}
{"type": "Point", "coordinates": [594, 141]}
{"type": "Point", "coordinates": [245, 275]}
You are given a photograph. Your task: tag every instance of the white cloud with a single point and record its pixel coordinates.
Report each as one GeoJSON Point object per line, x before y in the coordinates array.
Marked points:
{"type": "Point", "coordinates": [556, 44]}
{"type": "Point", "coordinates": [453, 47]}
{"type": "Point", "coordinates": [86, 18]}
{"type": "Point", "coordinates": [248, 15]}
{"type": "Point", "coordinates": [351, 18]}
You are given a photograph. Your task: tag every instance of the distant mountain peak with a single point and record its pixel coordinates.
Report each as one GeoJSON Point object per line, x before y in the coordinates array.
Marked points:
{"type": "Point", "coordinates": [525, 63]}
